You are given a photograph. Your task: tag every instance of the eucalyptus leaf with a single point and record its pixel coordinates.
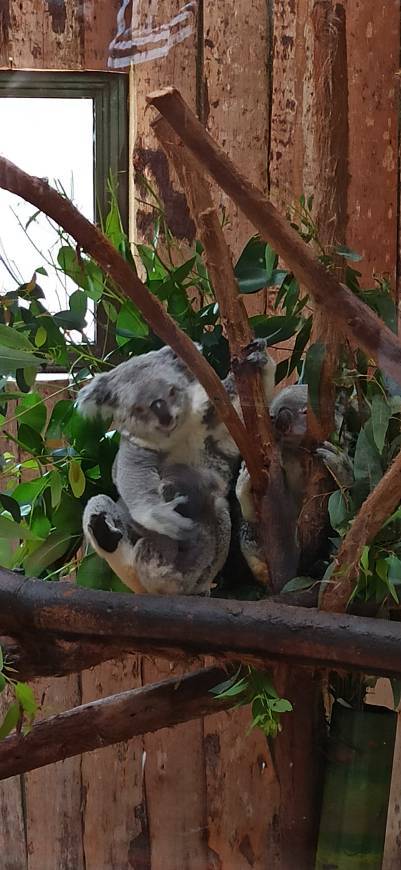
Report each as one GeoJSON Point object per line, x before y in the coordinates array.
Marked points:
{"type": "Point", "coordinates": [10, 530]}
{"type": "Point", "coordinates": [76, 478]}
{"type": "Point", "coordinates": [381, 413]}
{"type": "Point", "coordinates": [13, 358]}
{"type": "Point", "coordinates": [297, 584]}
{"type": "Point", "coordinates": [10, 720]}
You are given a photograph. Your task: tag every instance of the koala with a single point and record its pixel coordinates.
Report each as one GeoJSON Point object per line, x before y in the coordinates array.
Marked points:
{"type": "Point", "coordinates": [164, 415]}
{"type": "Point", "coordinates": [288, 410]}
{"type": "Point", "coordinates": [149, 562]}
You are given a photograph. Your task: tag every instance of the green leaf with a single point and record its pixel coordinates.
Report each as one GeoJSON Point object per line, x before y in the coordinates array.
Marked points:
{"type": "Point", "coordinates": [3, 683]}
{"type": "Point", "coordinates": [343, 251]}
{"type": "Point", "coordinates": [69, 320]}
{"type": "Point", "coordinates": [31, 410]}
{"type": "Point", "coordinates": [56, 489]}
{"type": "Point", "coordinates": [40, 337]}
{"type": "Point", "coordinates": [26, 698]}
{"type": "Point", "coordinates": [11, 530]}
{"type": "Point", "coordinates": [274, 329]}
{"type": "Point", "coordinates": [30, 439]}
{"type": "Point", "coordinates": [26, 493]}
{"type": "Point", "coordinates": [281, 705]}
{"type": "Point", "coordinates": [10, 720]}
{"type": "Point", "coordinates": [338, 511]}
{"type": "Point", "coordinates": [78, 303]}
{"type": "Point", "coordinates": [56, 546]}
{"type": "Point", "coordinates": [59, 417]}
{"type": "Point", "coordinates": [251, 270]}
{"type": "Point", "coordinates": [76, 478]}
{"type": "Point", "coordinates": [297, 584]}
{"type": "Point", "coordinates": [11, 505]}
{"type": "Point", "coordinates": [130, 324]}
{"type": "Point", "coordinates": [381, 413]}
{"type": "Point", "coordinates": [394, 570]}
{"type": "Point", "coordinates": [367, 462]}
{"type": "Point", "coordinates": [11, 337]}
{"type": "Point", "coordinates": [95, 573]}
{"type": "Point", "coordinates": [312, 374]}
{"type": "Point", "coordinates": [1, 659]}
{"type": "Point", "coordinates": [12, 359]}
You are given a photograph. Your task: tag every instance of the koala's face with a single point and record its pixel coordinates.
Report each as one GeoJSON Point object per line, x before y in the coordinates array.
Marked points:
{"type": "Point", "coordinates": [155, 406]}
{"type": "Point", "coordinates": [288, 411]}
{"type": "Point", "coordinates": [148, 396]}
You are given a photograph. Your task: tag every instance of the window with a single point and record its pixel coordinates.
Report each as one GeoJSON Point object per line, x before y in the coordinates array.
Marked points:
{"type": "Point", "coordinates": [72, 129]}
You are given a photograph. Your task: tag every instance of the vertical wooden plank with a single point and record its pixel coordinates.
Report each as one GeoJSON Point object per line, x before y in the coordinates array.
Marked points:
{"type": "Point", "coordinates": [178, 68]}
{"type": "Point", "coordinates": [99, 28]}
{"type": "Point", "coordinates": [236, 93]}
{"type": "Point", "coordinates": [392, 843]}
{"type": "Point", "coordinates": [53, 794]}
{"type": "Point", "coordinates": [373, 39]}
{"type": "Point", "coordinates": [242, 793]}
{"type": "Point", "coordinates": [236, 106]}
{"type": "Point", "coordinates": [175, 789]}
{"type": "Point", "coordinates": [114, 814]}
{"type": "Point", "coordinates": [12, 828]}
{"type": "Point", "coordinates": [45, 35]}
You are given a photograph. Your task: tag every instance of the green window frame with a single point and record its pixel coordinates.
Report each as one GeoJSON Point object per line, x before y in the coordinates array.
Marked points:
{"type": "Point", "coordinates": [109, 92]}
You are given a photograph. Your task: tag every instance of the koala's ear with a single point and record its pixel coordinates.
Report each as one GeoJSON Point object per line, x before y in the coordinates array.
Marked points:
{"type": "Point", "coordinates": [96, 398]}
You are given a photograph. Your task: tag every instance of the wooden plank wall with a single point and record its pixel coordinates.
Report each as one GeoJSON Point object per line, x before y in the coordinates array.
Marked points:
{"type": "Point", "coordinates": [303, 96]}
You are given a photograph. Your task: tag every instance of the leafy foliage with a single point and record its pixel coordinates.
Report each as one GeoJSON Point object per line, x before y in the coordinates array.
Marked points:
{"type": "Point", "coordinates": [21, 712]}
{"type": "Point", "coordinates": [251, 686]}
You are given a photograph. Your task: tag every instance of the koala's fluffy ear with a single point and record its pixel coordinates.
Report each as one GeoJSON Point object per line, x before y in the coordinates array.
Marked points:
{"type": "Point", "coordinates": [96, 398]}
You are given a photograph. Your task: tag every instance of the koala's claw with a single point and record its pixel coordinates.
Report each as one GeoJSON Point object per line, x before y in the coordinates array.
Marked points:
{"type": "Point", "coordinates": [338, 463]}
{"type": "Point", "coordinates": [243, 491]}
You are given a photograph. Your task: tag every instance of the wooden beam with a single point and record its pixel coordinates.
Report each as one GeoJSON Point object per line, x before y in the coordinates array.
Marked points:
{"type": "Point", "coordinates": [112, 720]}
{"type": "Point", "coordinates": [355, 318]}
{"type": "Point", "coordinates": [255, 632]}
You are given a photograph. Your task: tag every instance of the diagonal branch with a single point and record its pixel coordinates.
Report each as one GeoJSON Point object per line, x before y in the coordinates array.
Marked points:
{"type": "Point", "coordinates": [111, 720]}
{"type": "Point", "coordinates": [266, 473]}
{"type": "Point", "coordinates": [346, 311]}
{"type": "Point", "coordinates": [38, 192]}
{"type": "Point", "coordinates": [379, 505]}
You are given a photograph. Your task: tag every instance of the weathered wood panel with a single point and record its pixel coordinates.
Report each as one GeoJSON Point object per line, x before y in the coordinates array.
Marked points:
{"type": "Point", "coordinates": [113, 811]}
{"type": "Point", "coordinates": [373, 45]}
{"type": "Point", "coordinates": [236, 96]}
{"type": "Point", "coordinates": [53, 794]}
{"type": "Point", "coordinates": [57, 34]}
{"type": "Point", "coordinates": [242, 793]}
{"type": "Point", "coordinates": [178, 68]}
{"type": "Point", "coordinates": [13, 847]}
{"type": "Point", "coordinates": [175, 789]}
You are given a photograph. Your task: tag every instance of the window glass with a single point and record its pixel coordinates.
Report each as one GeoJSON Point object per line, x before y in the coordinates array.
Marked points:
{"type": "Point", "coordinates": [51, 138]}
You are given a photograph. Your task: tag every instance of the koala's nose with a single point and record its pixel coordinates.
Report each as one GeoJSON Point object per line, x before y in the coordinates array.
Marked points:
{"type": "Point", "coordinates": [160, 408]}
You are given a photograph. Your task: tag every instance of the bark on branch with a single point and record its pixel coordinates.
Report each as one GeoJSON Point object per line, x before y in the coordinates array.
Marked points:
{"type": "Point", "coordinates": [264, 464]}
{"type": "Point", "coordinates": [379, 505]}
{"type": "Point", "coordinates": [111, 720]}
{"type": "Point", "coordinates": [254, 632]}
{"type": "Point", "coordinates": [346, 311]}
{"type": "Point", "coordinates": [38, 192]}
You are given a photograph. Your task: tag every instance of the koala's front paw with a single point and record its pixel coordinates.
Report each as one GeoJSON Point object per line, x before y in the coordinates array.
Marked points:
{"type": "Point", "coordinates": [243, 491]}
{"type": "Point", "coordinates": [165, 520]}
{"type": "Point", "coordinates": [338, 464]}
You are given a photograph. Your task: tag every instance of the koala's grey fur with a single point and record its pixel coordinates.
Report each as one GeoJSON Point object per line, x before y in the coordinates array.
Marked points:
{"type": "Point", "coordinates": [153, 543]}
{"type": "Point", "coordinates": [153, 563]}
{"type": "Point", "coordinates": [288, 411]}
{"type": "Point", "coordinates": [165, 417]}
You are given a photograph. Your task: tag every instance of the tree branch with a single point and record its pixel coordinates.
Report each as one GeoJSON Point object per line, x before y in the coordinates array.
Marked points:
{"type": "Point", "coordinates": [346, 311]}
{"type": "Point", "coordinates": [253, 632]}
{"type": "Point", "coordinates": [263, 458]}
{"type": "Point", "coordinates": [379, 505]}
{"type": "Point", "coordinates": [111, 720]}
{"type": "Point", "coordinates": [38, 192]}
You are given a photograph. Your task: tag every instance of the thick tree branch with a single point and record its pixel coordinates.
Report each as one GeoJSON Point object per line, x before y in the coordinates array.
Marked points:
{"type": "Point", "coordinates": [254, 632]}
{"type": "Point", "coordinates": [379, 505]}
{"type": "Point", "coordinates": [346, 311]}
{"type": "Point", "coordinates": [263, 461]}
{"type": "Point", "coordinates": [111, 720]}
{"type": "Point", "coordinates": [38, 192]}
